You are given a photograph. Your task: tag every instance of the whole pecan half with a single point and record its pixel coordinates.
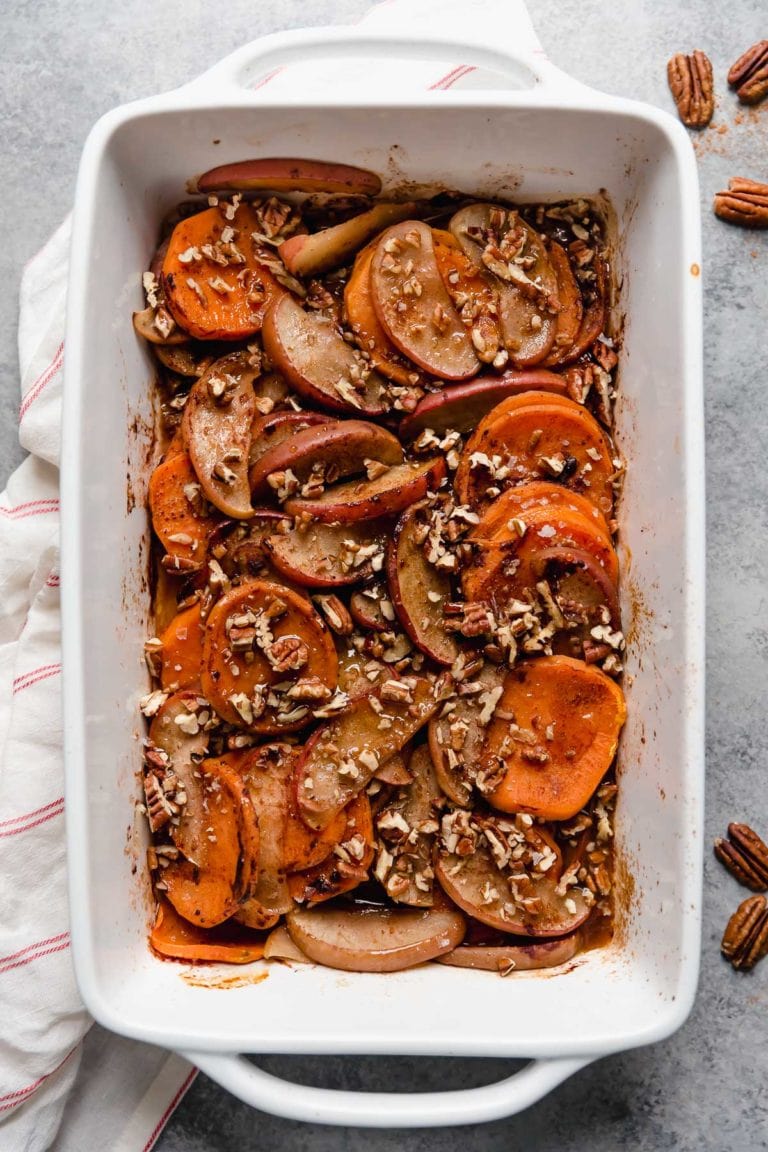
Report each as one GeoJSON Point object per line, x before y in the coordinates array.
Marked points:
{"type": "Point", "coordinates": [749, 75]}
{"type": "Point", "coordinates": [745, 940]}
{"type": "Point", "coordinates": [745, 856]}
{"type": "Point", "coordinates": [692, 86]}
{"type": "Point", "coordinates": [745, 203]}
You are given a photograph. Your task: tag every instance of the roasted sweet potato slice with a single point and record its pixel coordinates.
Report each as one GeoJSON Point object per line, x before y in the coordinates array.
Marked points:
{"type": "Point", "coordinates": [217, 422]}
{"type": "Point", "coordinates": [517, 502]}
{"type": "Point", "coordinates": [258, 636]}
{"type": "Point", "coordinates": [362, 319]}
{"type": "Point", "coordinates": [406, 826]}
{"type": "Point", "coordinates": [328, 555]}
{"type": "Point", "coordinates": [288, 175]}
{"type": "Point", "coordinates": [414, 307]}
{"type": "Point", "coordinates": [571, 312]}
{"type": "Point", "coordinates": [513, 255]}
{"type": "Point", "coordinates": [510, 899]}
{"type": "Point", "coordinates": [418, 589]}
{"type": "Point", "coordinates": [549, 438]}
{"type": "Point", "coordinates": [268, 775]}
{"type": "Point", "coordinates": [595, 314]}
{"type": "Point", "coordinates": [309, 350]}
{"type": "Point", "coordinates": [510, 958]}
{"type": "Point", "coordinates": [581, 709]}
{"type": "Point", "coordinates": [210, 894]}
{"type": "Point", "coordinates": [174, 938]}
{"type": "Point", "coordinates": [180, 516]}
{"type": "Point", "coordinates": [461, 407]}
{"type": "Point", "coordinates": [347, 864]}
{"type": "Point", "coordinates": [182, 651]}
{"type": "Point", "coordinates": [388, 494]}
{"type": "Point", "coordinates": [341, 757]}
{"type": "Point", "coordinates": [375, 939]}
{"type": "Point", "coordinates": [268, 432]}
{"type": "Point", "coordinates": [215, 282]}
{"type": "Point", "coordinates": [507, 569]}
{"type": "Point", "coordinates": [457, 735]}
{"type": "Point", "coordinates": [330, 248]}
{"type": "Point", "coordinates": [332, 451]}
{"type": "Point", "coordinates": [304, 847]}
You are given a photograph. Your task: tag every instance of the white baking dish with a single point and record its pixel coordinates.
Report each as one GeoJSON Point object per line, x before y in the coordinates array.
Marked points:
{"type": "Point", "coordinates": [541, 135]}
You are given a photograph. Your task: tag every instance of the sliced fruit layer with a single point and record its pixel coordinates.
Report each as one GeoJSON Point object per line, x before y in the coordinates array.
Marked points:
{"type": "Point", "coordinates": [392, 491]}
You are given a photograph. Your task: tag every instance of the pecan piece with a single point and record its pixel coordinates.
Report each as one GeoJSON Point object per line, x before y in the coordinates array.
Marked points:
{"type": "Point", "coordinates": [745, 203]}
{"type": "Point", "coordinates": [754, 850]}
{"type": "Point", "coordinates": [288, 654]}
{"type": "Point", "coordinates": [692, 86]}
{"type": "Point", "coordinates": [749, 75]}
{"type": "Point", "coordinates": [336, 614]}
{"type": "Point", "coordinates": [745, 940]}
{"type": "Point", "coordinates": [738, 865]}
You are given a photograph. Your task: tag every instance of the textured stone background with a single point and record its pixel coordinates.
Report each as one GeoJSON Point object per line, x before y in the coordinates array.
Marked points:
{"type": "Point", "coordinates": [63, 64]}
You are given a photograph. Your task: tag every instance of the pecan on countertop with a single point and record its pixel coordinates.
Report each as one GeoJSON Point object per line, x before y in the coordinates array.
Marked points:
{"type": "Point", "coordinates": [692, 86]}
{"type": "Point", "coordinates": [749, 75]}
{"type": "Point", "coordinates": [745, 940]}
{"type": "Point", "coordinates": [745, 203]}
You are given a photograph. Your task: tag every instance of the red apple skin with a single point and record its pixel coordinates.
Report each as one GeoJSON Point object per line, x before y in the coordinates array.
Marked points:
{"type": "Point", "coordinates": [461, 407]}
{"type": "Point", "coordinates": [283, 174]}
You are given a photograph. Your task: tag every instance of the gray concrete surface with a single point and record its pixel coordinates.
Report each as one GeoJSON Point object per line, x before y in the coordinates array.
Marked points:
{"type": "Point", "coordinates": [62, 64]}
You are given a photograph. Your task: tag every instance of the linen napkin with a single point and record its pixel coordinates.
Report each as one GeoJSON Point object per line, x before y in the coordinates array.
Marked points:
{"type": "Point", "coordinates": [120, 1092]}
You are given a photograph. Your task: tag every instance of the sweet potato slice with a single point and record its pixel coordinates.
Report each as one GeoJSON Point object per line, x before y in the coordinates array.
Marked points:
{"type": "Point", "coordinates": [289, 175]}
{"type": "Point", "coordinates": [510, 958]}
{"type": "Point", "coordinates": [549, 438]}
{"type": "Point", "coordinates": [309, 350]}
{"type": "Point", "coordinates": [174, 938]}
{"type": "Point", "coordinates": [341, 757]}
{"type": "Point", "coordinates": [346, 866]}
{"type": "Point", "coordinates": [182, 651]}
{"type": "Point", "coordinates": [375, 939]}
{"type": "Point", "coordinates": [304, 847]}
{"type": "Point", "coordinates": [337, 449]}
{"type": "Point", "coordinates": [217, 422]}
{"type": "Point", "coordinates": [400, 486]}
{"type": "Point", "coordinates": [267, 773]}
{"type": "Point", "coordinates": [508, 568]}
{"type": "Point", "coordinates": [595, 314]}
{"type": "Point", "coordinates": [457, 735]}
{"type": "Point", "coordinates": [582, 709]}
{"type": "Point", "coordinates": [518, 502]}
{"type": "Point", "coordinates": [407, 826]}
{"type": "Point", "coordinates": [414, 307]}
{"type": "Point", "coordinates": [513, 255]}
{"type": "Point", "coordinates": [362, 319]}
{"type": "Point", "coordinates": [571, 312]}
{"type": "Point", "coordinates": [180, 517]}
{"type": "Point", "coordinates": [268, 432]}
{"type": "Point", "coordinates": [524, 897]}
{"type": "Point", "coordinates": [461, 407]}
{"type": "Point", "coordinates": [261, 635]}
{"type": "Point", "coordinates": [176, 733]}
{"type": "Point", "coordinates": [321, 251]}
{"type": "Point", "coordinates": [208, 895]}
{"type": "Point", "coordinates": [328, 555]}
{"type": "Point", "coordinates": [214, 276]}
{"type": "Point", "coordinates": [418, 589]}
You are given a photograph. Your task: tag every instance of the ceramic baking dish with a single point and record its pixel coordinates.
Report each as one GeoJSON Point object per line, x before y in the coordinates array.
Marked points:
{"type": "Point", "coordinates": [540, 135]}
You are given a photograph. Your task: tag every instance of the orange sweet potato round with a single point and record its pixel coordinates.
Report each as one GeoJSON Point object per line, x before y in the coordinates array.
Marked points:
{"type": "Point", "coordinates": [572, 714]}
{"type": "Point", "coordinates": [174, 938]}
{"type": "Point", "coordinates": [362, 318]}
{"type": "Point", "coordinates": [516, 503]}
{"type": "Point", "coordinates": [179, 518]}
{"type": "Point", "coordinates": [182, 651]}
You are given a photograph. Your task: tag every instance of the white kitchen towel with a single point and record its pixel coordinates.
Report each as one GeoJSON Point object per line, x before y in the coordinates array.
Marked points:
{"type": "Point", "coordinates": [124, 1091]}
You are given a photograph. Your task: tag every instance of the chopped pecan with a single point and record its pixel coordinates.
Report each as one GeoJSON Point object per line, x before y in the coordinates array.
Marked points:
{"type": "Point", "coordinates": [749, 75]}
{"type": "Point", "coordinates": [745, 939]}
{"type": "Point", "coordinates": [745, 203]}
{"type": "Point", "coordinates": [288, 654]}
{"type": "Point", "coordinates": [692, 86]}
{"type": "Point", "coordinates": [337, 615]}
{"type": "Point", "coordinates": [159, 808]}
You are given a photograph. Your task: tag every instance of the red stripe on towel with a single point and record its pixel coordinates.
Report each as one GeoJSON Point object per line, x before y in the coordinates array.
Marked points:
{"type": "Point", "coordinates": [169, 1111]}
{"type": "Point", "coordinates": [43, 380]}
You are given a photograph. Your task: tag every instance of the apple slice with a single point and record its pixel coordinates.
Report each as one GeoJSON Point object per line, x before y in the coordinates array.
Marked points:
{"type": "Point", "coordinates": [342, 756]}
{"type": "Point", "coordinates": [400, 486]}
{"type": "Point", "coordinates": [371, 608]}
{"type": "Point", "coordinates": [375, 939]}
{"type": "Point", "coordinates": [217, 429]}
{"type": "Point", "coordinates": [394, 772]}
{"type": "Point", "coordinates": [418, 589]}
{"type": "Point", "coordinates": [321, 251]}
{"type": "Point", "coordinates": [328, 555]}
{"type": "Point", "coordinates": [579, 585]}
{"type": "Point", "coordinates": [156, 326]}
{"type": "Point", "coordinates": [514, 256]}
{"type": "Point", "coordinates": [406, 827]}
{"type": "Point", "coordinates": [510, 958]}
{"type": "Point", "coordinates": [497, 898]}
{"type": "Point", "coordinates": [595, 312]}
{"type": "Point", "coordinates": [457, 735]}
{"type": "Point", "coordinates": [269, 431]}
{"type": "Point", "coordinates": [268, 774]}
{"type": "Point", "coordinates": [342, 447]}
{"type": "Point", "coordinates": [190, 359]}
{"type": "Point", "coordinates": [462, 407]}
{"type": "Point", "coordinates": [282, 174]}
{"type": "Point", "coordinates": [311, 353]}
{"type": "Point", "coordinates": [570, 316]}
{"type": "Point", "coordinates": [181, 740]}
{"type": "Point", "coordinates": [362, 319]}
{"type": "Point", "coordinates": [280, 946]}
{"type": "Point", "coordinates": [414, 307]}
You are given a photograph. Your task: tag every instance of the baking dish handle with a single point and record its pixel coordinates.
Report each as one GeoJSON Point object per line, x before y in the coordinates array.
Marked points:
{"type": "Point", "coordinates": [280, 1097]}
{"type": "Point", "coordinates": [496, 35]}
